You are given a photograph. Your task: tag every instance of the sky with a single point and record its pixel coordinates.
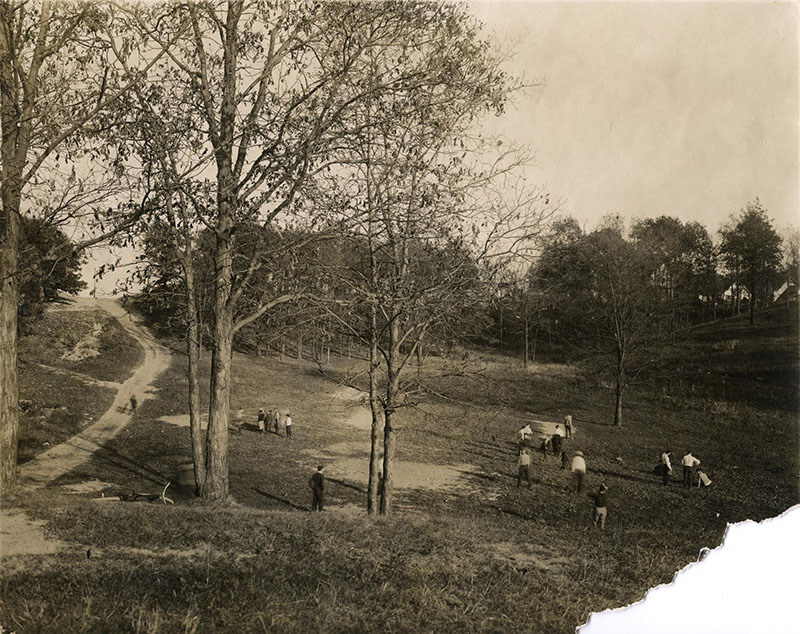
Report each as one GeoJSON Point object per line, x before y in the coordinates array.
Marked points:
{"type": "Point", "coordinates": [685, 109]}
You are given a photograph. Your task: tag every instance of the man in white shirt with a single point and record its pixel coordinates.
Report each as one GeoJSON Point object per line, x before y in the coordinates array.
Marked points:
{"type": "Point", "coordinates": [524, 467]}
{"type": "Point", "coordinates": [288, 424]}
{"type": "Point", "coordinates": [689, 462]}
{"type": "Point", "coordinates": [524, 433]}
{"type": "Point", "coordinates": [666, 467]}
{"type": "Point", "coordinates": [579, 469]}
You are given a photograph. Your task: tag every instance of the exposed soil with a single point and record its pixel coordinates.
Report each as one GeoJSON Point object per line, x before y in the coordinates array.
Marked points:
{"type": "Point", "coordinates": [66, 456]}
{"type": "Point", "coordinates": [350, 460]}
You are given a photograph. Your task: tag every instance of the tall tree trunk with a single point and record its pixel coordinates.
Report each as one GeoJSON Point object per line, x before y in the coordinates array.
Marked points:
{"type": "Point", "coordinates": [389, 441]}
{"type": "Point", "coordinates": [618, 403]}
{"type": "Point", "coordinates": [390, 402]}
{"type": "Point", "coordinates": [526, 344]}
{"type": "Point", "coordinates": [216, 484]}
{"type": "Point", "coordinates": [196, 436]}
{"type": "Point", "coordinates": [9, 303]}
{"type": "Point", "coordinates": [376, 430]}
{"type": "Point", "coordinates": [16, 130]}
{"type": "Point", "coordinates": [500, 338]}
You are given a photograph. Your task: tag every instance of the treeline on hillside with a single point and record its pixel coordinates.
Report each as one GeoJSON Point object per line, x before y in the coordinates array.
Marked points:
{"type": "Point", "coordinates": [672, 273]}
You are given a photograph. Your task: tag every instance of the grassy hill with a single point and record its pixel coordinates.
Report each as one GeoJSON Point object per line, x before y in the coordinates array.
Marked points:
{"type": "Point", "coordinates": [474, 554]}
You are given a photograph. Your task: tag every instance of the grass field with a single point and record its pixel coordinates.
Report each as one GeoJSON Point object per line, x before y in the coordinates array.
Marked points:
{"type": "Point", "coordinates": [479, 556]}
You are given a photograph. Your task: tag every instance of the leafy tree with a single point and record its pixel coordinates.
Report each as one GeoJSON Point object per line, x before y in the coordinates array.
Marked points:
{"type": "Point", "coordinates": [605, 299]}
{"type": "Point", "coordinates": [48, 266]}
{"type": "Point", "coordinates": [751, 251]}
{"type": "Point", "coordinates": [683, 263]}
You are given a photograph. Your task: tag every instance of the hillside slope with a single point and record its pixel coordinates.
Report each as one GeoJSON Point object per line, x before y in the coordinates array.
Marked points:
{"type": "Point", "coordinates": [466, 551]}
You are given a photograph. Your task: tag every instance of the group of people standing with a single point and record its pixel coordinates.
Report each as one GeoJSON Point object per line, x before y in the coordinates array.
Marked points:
{"type": "Point", "coordinates": [272, 419]}
{"type": "Point", "coordinates": [577, 465]}
{"type": "Point", "coordinates": [693, 473]}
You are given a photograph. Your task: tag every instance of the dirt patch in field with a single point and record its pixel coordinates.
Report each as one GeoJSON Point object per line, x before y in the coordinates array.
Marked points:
{"type": "Point", "coordinates": [407, 475]}
{"type": "Point", "coordinates": [350, 460]}
{"type": "Point", "coordinates": [20, 535]}
{"type": "Point", "coordinates": [182, 420]}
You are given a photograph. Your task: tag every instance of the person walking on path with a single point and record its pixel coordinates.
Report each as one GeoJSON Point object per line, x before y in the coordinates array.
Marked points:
{"type": "Point", "coordinates": [689, 462]}
{"type": "Point", "coordinates": [262, 417]}
{"type": "Point", "coordinates": [568, 425]}
{"type": "Point", "coordinates": [600, 511]}
{"type": "Point", "coordinates": [524, 467]}
{"type": "Point", "coordinates": [133, 403]}
{"type": "Point", "coordinates": [666, 467]}
{"type": "Point", "coordinates": [317, 484]}
{"type": "Point", "coordinates": [579, 470]}
{"type": "Point", "coordinates": [288, 424]}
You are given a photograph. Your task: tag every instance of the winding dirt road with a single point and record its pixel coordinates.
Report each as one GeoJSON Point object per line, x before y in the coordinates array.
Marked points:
{"type": "Point", "coordinates": [70, 454]}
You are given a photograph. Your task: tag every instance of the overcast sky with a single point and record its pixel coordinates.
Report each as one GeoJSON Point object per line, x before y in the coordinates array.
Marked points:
{"type": "Point", "coordinates": [686, 109]}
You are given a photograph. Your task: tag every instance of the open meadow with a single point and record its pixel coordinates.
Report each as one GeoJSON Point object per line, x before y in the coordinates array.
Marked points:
{"type": "Point", "coordinates": [466, 549]}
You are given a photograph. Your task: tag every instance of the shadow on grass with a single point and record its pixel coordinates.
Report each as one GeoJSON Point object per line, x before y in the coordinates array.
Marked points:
{"type": "Point", "coordinates": [108, 456]}
{"type": "Point", "coordinates": [651, 479]}
{"type": "Point", "coordinates": [349, 485]}
{"type": "Point", "coordinates": [284, 501]}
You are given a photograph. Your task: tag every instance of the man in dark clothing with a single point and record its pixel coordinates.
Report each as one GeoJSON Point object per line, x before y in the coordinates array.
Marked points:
{"type": "Point", "coordinates": [317, 484]}
{"type": "Point", "coordinates": [600, 507]}
{"type": "Point", "coordinates": [556, 443]}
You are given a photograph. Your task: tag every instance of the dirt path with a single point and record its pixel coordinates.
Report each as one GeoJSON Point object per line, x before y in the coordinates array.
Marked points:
{"type": "Point", "coordinates": [70, 454]}
{"type": "Point", "coordinates": [19, 535]}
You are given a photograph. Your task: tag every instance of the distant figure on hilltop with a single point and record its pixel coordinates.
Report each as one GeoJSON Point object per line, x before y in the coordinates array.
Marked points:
{"type": "Point", "coordinates": [579, 470]}
{"type": "Point", "coordinates": [317, 484]}
{"type": "Point", "coordinates": [568, 425]}
{"type": "Point", "coordinates": [288, 424]}
{"type": "Point", "coordinates": [262, 417]}
{"type": "Point", "coordinates": [276, 421]}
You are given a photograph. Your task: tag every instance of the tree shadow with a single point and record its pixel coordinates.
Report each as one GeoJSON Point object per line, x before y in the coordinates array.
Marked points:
{"type": "Point", "coordinates": [283, 501]}
{"type": "Point", "coordinates": [250, 427]}
{"type": "Point", "coordinates": [109, 456]}
{"type": "Point", "coordinates": [347, 484]}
